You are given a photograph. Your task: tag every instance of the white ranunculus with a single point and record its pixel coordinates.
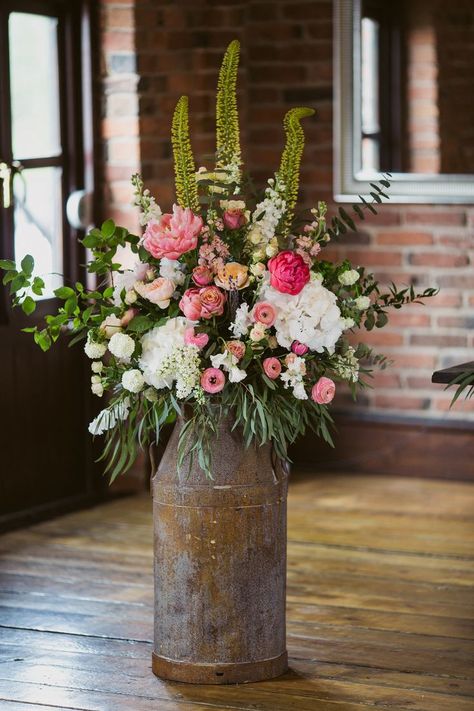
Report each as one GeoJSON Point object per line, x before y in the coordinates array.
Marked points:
{"type": "Point", "coordinates": [133, 380]}
{"type": "Point", "coordinates": [94, 350]}
{"type": "Point", "coordinates": [311, 317]}
{"type": "Point", "coordinates": [122, 346]}
{"type": "Point", "coordinates": [362, 303]}
{"type": "Point", "coordinates": [349, 277]}
{"type": "Point", "coordinates": [108, 418]}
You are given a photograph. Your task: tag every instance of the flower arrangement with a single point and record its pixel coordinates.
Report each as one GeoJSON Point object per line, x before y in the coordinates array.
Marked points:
{"type": "Point", "coordinates": [231, 306]}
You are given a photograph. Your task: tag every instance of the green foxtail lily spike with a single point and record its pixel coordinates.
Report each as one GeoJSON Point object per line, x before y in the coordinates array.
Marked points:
{"type": "Point", "coordinates": [184, 168]}
{"type": "Point", "coordinates": [227, 116]}
{"type": "Point", "coordinates": [289, 172]}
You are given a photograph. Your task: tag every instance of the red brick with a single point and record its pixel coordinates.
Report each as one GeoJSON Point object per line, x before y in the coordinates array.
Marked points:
{"type": "Point", "coordinates": [441, 341]}
{"type": "Point", "coordinates": [119, 17]}
{"type": "Point", "coordinates": [404, 238]}
{"type": "Point", "coordinates": [435, 217]}
{"type": "Point", "coordinates": [118, 41]}
{"type": "Point", "coordinates": [464, 322]}
{"type": "Point", "coordinates": [419, 382]}
{"type": "Point", "coordinates": [401, 402]}
{"type": "Point", "coordinates": [379, 337]}
{"type": "Point", "coordinates": [374, 258]}
{"type": "Point", "coordinates": [412, 359]}
{"type": "Point", "coordinates": [433, 259]}
{"type": "Point", "coordinates": [404, 318]}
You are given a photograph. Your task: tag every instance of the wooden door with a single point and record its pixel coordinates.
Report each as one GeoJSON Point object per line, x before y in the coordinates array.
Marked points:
{"type": "Point", "coordinates": [44, 445]}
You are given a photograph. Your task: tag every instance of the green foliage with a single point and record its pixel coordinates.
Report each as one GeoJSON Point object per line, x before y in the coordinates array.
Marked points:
{"type": "Point", "coordinates": [227, 116]}
{"type": "Point", "coordinates": [343, 221]}
{"type": "Point", "coordinates": [104, 243]}
{"type": "Point", "coordinates": [289, 171]}
{"type": "Point", "coordinates": [465, 384]}
{"type": "Point", "coordinates": [184, 168]}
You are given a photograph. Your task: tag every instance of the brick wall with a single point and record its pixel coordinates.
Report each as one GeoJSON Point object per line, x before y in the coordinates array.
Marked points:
{"type": "Point", "coordinates": [164, 49]}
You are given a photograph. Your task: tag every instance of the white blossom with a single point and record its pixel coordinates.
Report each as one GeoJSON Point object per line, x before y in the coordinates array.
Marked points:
{"type": "Point", "coordinates": [242, 321]}
{"type": "Point", "coordinates": [347, 323]}
{"type": "Point", "coordinates": [97, 389]}
{"type": "Point", "coordinates": [124, 281]}
{"type": "Point", "coordinates": [110, 325]}
{"type": "Point", "coordinates": [172, 269]}
{"type": "Point", "coordinates": [228, 362]}
{"type": "Point", "coordinates": [293, 376]}
{"type": "Point", "coordinates": [133, 380]}
{"type": "Point", "coordinates": [270, 210]}
{"type": "Point", "coordinates": [94, 350]}
{"type": "Point", "coordinates": [347, 365]}
{"type": "Point", "coordinates": [97, 366]}
{"type": "Point", "coordinates": [257, 332]}
{"type": "Point", "coordinates": [349, 277]}
{"type": "Point", "coordinates": [122, 346]}
{"type": "Point", "coordinates": [362, 303]}
{"type": "Point", "coordinates": [108, 418]}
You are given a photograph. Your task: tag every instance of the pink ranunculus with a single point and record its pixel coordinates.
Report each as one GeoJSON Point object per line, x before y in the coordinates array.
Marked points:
{"type": "Point", "coordinates": [212, 380]}
{"type": "Point", "coordinates": [212, 301]}
{"type": "Point", "coordinates": [171, 235]}
{"type": "Point", "coordinates": [127, 317]}
{"type": "Point", "coordinates": [233, 219]}
{"type": "Point", "coordinates": [299, 348]}
{"type": "Point", "coordinates": [237, 348]}
{"type": "Point", "coordinates": [159, 291]}
{"type": "Point", "coordinates": [323, 391]}
{"type": "Point", "coordinates": [288, 272]}
{"type": "Point", "coordinates": [190, 304]}
{"type": "Point", "coordinates": [272, 368]}
{"type": "Point", "coordinates": [195, 339]}
{"type": "Point", "coordinates": [202, 275]}
{"type": "Point", "coordinates": [264, 312]}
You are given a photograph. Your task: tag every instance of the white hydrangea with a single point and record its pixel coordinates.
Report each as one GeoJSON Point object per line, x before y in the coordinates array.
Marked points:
{"type": "Point", "coordinates": [228, 362]}
{"type": "Point", "coordinates": [94, 350]}
{"type": "Point", "coordinates": [311, 317]}
{"type": "Point", "coordinates": [172, 269]}
{"type": "Point", "coordinates": [362, 303]}
{"type": "Point", "coordinates": [122, 346]}
{"type": "Point", "coordinates": [133, 380]}
{"type": "Point", "coordinates": [242, 321]}
{"type": "Point", "coordinates": [108, 418]}
{"type": "Point", "coordinates": [349, 277]}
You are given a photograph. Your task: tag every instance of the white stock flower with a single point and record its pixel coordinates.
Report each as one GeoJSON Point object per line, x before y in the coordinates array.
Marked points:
{"type": "Point", "coordinates": [242, 321]}
{"type": "Point", "coordinates": [172, 269]}
{"type": "Point", "coordinates": [94, 350]}
{"type": "Point", "coordinates": [122, 346]}
{"type": "Point", "coordinates": [228, 362]}
{"type": "Point", "coordinates": [269, 211]}
{"type": "Point", "coordinates": [362, 303]}
{"type": "Point", "coordinates": [349, 277]}
{"type": "Point", "coordinates": [108, 418]}
{"type": "Point", "coordinates": [133, 380]}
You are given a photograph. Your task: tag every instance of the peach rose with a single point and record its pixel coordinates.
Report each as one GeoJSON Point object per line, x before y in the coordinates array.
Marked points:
{"type": "Point", "coordinates": [232, 276]}
{"type": "Point", "coordinates": [212, 301]}
{"type": "Point", "coordinates": [237, 348]}
{"type": "Point", "coordinates": [159, 291]}
{"type": "Point", "coordinates": [323, 391]}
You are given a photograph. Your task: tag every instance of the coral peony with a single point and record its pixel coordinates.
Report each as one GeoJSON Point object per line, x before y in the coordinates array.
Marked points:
{"type": "Point", "coordinates": [171, 235]}
{"type": "Point", "coordinates": [190, 304]}
{"type": "Point", "coordinates": [264, 312]}
{"type": "Point", "coordinates": [212, 380]}
{"type": "Point", "coordinates": [195, 339]}
{"type": "Point", "coordinates": [323, 391]}
{"type": "Point", "coordinates": [288, 272]}
{"type": "Point", "coordinates": [212, 301]}
{"type": "Point", "coordinates": [272, 368]}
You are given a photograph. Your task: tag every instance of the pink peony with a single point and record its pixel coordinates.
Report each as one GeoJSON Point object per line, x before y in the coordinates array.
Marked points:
{"type": "Point", "coordinates": [202, 276]}
{"type": "Point", "coordinates": [288, 272]}
{"type": "Point", "coordinates": [190, 304]}
{"type": "Point", "coordinates": [264, 312]}
{"type": "Point", "coordinates": [159, 291]}
{"type": "Point", "coordinates": [299, 348]}
{"type": "Point", "coordinates": [233, 219]}
{"type": "Point", "coordinates": [212, 301]}
{"type": "Point", "coordinates": [212, 380]}
{"type": "Point", "coordinates": [195, 339]}
{"type": "Point", "coordinates": [272, 368]}
{"type": "Point", "coordinates": [237, 348]}
{"type": "Point", "coordinates": [323, 391]}
{"type": "Point", "coordinates": [171, 235]}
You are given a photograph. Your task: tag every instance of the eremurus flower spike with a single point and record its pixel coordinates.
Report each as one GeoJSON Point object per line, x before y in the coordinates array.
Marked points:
{"type": "Point", "coordinates": [184, 168]}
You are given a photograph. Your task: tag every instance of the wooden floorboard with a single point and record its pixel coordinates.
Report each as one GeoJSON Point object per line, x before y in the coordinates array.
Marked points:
{"type": "Point", "coordinates": [380, 606]}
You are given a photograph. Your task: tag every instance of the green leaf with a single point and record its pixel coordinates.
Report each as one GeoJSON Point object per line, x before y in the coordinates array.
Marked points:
{"type": "Point", "coordinates": [28, 264]}
{"type": "Point", "coordinates": [140, 324]}
{"type": "Point", "coordinates": [37, 286]}
{"type": "Point", "coordinates": [91, 241]}
{"type": "Point", "coordinates": [64, 292]}
{"type": "Point", "coordinates": [108, 228]}
{"type": "Point", "coordinates": [7, 264]}
{"type": "Point", "coordinates": [382, 320]}
{"type": "Point", "coordinates": [28, 305]}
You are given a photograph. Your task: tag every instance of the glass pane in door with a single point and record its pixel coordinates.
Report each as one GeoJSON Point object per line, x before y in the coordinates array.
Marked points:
{"type": "Point", "coordinates": [38, 223]}
{"type": "Point", "coordinates": [34, 85]}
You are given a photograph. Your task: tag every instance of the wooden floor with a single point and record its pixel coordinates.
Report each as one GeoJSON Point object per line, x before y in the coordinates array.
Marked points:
{"type": "Point", "coordinates": [380, 606]}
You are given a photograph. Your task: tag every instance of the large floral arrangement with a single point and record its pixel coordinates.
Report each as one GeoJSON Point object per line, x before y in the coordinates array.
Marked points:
{"type": "Point", "coordinates": [231, 306]}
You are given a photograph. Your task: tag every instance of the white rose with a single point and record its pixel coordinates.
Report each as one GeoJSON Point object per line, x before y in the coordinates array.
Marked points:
{"type": "Point", "coordinates": [133, 380]}
{"type": "Point", "coordinates": [362, 303]}
{"type": "Point", "coordinates": [349, 277]}
{"type": "Point", "coordinates": [97, 366]}
{"type": "Point", "coordinates": [110, 325]}
{"type": "Point", "coordinates": [94, 350]}
{"type": "Point", "coordinates": [257, 269]}
{"type": "Point", "coordinates": [97, 389]}
{"type": "Point", "coordinates": [257, 333]}
{"type": "Point", "coordinates": [131, 297]}
{"type": "Point", "coordinates": [121, 346]}
{"type": "Point", "coordinates": [96, 379]}
{"type": "Point", "coordinates": [347, 323]}
{"type": "Point", "coordinates": [255, 235]}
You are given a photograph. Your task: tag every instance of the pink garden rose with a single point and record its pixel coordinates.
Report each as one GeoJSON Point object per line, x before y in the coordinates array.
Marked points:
{"type": "Point", "coordinates": [264, 312]}
{"type": "Point", "coordinates": [127, 317]}
{"type": "Point", "coordinates": [212, 380]}
{"type": "Point", "coordinates": [237, 348]}
{"type": "Point", "coordinates": [195, 339]}
{"type": "Point", "coordinates": [323, 391]}
{"type": "Point", "coordinates": [159, 291]}
{"type": "Point", "coordinates": [202, 276]}
{"type": "Point", "coordinates": [171, 235]}
{"type": "Point", "coordinates": [272, 368]}
{"type": "Point", "coordinates": [212, 301]}
{"type": "Point", "coordinates": [190, 304]}
{"type": "Point", "coordinates": [299, 348]}
{"type": "Point", "coordinates": [233, 219]}
{"type": "Point", "coordinates": [288, 272]}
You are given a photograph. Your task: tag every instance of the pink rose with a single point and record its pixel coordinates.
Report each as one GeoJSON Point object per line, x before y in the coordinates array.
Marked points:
{"type": "Point", "coordinates": [233, 219]}
{"type": "Point", "coordinates": [212, 380]}
{"type": "Point", "coordinates": [212, 301]}
{"type": "Point", "coordinates": [323, 391]}
{"type": "Point", "coordinates": [299, 348]}
{"type": "Point", "coordinates": [171, 235]}
{"type": "Point", "coordinates": [237, 348]}
{"type": "Point", "coordinates": [288, 272]}
{"type": "Point", "coordinates": [264, 312]}
{"type": "Point", "coordinates": [127, 317]}
{"type": "Point", "coordinates": [195, 339]}
{"type": "Point", "coordinates": [159, 291]}
{"type": "Point", "coordinates": [272, 368]}
{"type": "Point", "coordinates": [190, 304]}
{"type": "Point", "coordinates": [202, 276]}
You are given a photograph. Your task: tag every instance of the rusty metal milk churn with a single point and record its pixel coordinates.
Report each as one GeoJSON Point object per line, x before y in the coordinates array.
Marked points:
{"type": "Point", "coordinates": [220, 565]}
